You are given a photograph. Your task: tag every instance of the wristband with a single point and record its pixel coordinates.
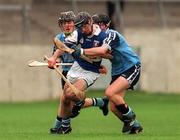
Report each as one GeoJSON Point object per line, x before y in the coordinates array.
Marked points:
{"type": "Point", "coordinates": [82, 51]}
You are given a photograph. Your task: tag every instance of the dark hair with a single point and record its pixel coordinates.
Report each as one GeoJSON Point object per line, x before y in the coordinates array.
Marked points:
{"type": "Point", "coordinates": [101, 18]}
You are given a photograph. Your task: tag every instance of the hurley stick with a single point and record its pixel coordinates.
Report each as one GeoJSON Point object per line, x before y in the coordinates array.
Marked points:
{"type": "Point", "coordinates": [34, 63]}
{"type": "Point", "coordinates": [78, 93]}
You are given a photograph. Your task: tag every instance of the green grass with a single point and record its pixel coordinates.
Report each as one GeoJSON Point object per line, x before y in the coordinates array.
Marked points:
{"type": "Point", "coordinates": [159, 115]}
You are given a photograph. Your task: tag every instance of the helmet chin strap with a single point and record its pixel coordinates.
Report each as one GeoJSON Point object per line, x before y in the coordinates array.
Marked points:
{"type": "Point", "coordinates": [67, 33]}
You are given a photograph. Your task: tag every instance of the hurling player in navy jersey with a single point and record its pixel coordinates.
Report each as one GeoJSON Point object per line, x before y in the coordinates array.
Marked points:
{"type": "Point", "coordinates": [125, 71]}
{"type": "Point", "coordinates": [82, 74]}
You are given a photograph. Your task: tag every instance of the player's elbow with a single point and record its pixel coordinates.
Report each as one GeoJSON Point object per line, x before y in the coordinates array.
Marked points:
{"type": "Point", "coordinates": [102, 52]}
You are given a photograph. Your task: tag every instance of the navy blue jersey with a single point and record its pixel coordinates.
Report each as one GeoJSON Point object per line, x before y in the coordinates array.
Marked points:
{"type": "Point", "coordinates": [123, 55]}
{"type": "Point", "coordinates": [65, 57]}
{"type": "Point", "coordinates": [81, 40]}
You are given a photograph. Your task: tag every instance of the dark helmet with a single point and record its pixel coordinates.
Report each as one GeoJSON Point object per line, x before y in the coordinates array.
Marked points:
{"type": "Point", "coordinates": [101, 18]}
{"type": "Point", "coordinates": [66, 16]}
{"type": "Point", "coordinates": [82, 18]}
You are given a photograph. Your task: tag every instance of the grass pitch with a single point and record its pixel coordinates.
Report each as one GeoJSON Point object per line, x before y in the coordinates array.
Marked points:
{"type": "Point", "coordinates": [159, 115]}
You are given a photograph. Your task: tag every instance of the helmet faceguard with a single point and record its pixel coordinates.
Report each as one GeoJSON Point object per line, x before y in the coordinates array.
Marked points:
{"type": "Point", "coordinates": [81, 19]}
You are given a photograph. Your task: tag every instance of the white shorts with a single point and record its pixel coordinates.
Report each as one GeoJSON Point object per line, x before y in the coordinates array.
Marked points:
{"type": "Point", "coordinates": [76, 72]}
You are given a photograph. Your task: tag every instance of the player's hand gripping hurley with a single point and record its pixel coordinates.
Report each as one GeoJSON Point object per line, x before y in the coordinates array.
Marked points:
{"type": "Point", "coordinates": [60, 45]}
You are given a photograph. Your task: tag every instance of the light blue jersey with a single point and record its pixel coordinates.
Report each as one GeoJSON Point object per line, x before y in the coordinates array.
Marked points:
{"type": "Point", "coordinates": [65, 57]}
{"type": "Point", "coordinates": [123, 55]}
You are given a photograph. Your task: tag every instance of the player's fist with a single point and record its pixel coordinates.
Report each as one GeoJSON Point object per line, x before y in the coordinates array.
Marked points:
{"type": "Point", "coordinates": [103, 70]}
{"type": "Point", "coordinates": [77, 52]}
{"type": "Point", "coordinates": [51, 62]}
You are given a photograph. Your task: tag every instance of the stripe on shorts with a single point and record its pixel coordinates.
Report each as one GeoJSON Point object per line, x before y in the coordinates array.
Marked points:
{"type": "Point", "coordinates": [134, 74]}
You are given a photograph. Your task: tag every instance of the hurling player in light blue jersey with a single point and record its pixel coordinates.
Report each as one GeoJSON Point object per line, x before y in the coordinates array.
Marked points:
{"type": "Point", "coordinates": [125, 71]}
{"type": "Point", "coordinates": [82, 74]}
{"type": "Point", "coordinates": [67, 26]}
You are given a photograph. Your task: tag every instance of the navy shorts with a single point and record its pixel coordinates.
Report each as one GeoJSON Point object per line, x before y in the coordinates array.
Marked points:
{"type": "Point", "coordinates": [132, 75]}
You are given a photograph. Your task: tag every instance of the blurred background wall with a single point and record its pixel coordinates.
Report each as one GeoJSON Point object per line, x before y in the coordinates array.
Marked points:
{"type": "Point", "coordinates": [152, 27]}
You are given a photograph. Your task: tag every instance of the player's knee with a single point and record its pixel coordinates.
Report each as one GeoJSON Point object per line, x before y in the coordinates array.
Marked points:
{"type": "Point", "coordinates": [68, 95]}
{"type": "Point", "coordinates": [109, 94]}
{"type": "Point", "coordinates": [64, 100]}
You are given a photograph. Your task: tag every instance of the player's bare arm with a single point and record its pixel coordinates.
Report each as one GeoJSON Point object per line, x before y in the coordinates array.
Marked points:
{"type": "Point", "coordinates": [96, 51]}
{"type": "Point", "coordinates": [52, 60]}
{"type": "Point", "coordinates": [102, 51]}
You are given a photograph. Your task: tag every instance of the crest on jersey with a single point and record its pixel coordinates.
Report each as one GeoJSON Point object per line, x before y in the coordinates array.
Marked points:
{"type": "Point", "coordinates": [96, 43]}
